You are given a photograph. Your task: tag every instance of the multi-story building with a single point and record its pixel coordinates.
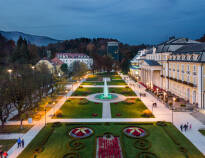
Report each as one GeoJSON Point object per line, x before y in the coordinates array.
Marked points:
{"type": "Point", "coordinates": [113, 49]}
{"type": "Point", "coordinates": [70, 58]}
{"type": "Point", "coordinates": [176, 66]}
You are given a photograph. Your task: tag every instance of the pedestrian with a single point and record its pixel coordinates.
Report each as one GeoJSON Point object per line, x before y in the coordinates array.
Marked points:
{"type": "Point", "coordinates": [22, 143]}
{"type": "Point", "coordinates": [1, 153]}
{"type": "Point", "coordinates": [190, 126]}
{"type": "Point", "coordinates": [185, 127]}
{"type": "Point", "coordinates": [5, 154]}
{"type": "Point", "coordinates": [19, 142]}
{"type": "Point", "coordinates": [181, 127]}
{"type": "Point", "coordinates": [155, 104]}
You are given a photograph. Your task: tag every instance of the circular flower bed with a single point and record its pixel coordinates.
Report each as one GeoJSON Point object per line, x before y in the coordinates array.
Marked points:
{"type": "Point", "coordinates": [142, 144]}
{"type": "Point", "coordinates": [75, 144]}
{"type": "Point", "coordinates": [80, 132]}
{"type": "Point", "coordinates": [135, 132]}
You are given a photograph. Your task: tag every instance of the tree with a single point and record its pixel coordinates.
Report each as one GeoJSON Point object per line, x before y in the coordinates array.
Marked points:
{"type": "Point", "coordinates": [79, 69]}
{"type": "Point", "coordinates": [64, 68]}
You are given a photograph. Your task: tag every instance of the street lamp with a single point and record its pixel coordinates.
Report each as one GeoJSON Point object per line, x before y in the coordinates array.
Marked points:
{"type": "Point", "coordinates": [53, 108]}
{"type": "Point", "coordinates": [157, 91]}
{"type": "Point", "coordinates": [33, 67]}
{"type": "Point", "coordinates": [10, 71]}
{"type": "Point", "coordinates": [45, 115]}
{"type": "Point", "coordinates": [174, 99]}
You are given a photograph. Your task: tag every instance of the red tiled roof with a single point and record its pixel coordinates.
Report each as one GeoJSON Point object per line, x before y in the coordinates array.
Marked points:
{"type": "Point", "coordinates": [56, 61]}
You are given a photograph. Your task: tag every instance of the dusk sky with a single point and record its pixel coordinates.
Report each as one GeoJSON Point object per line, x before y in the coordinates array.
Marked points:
{"type": "Point", "coordinates": [130, 21]}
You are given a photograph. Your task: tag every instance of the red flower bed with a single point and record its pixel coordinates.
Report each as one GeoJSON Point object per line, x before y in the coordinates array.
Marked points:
{"type": "Point", "coordinates": [134, 132]}
{"type": "Point", "coordinates": [118, 114]}
{"type": "Point", "coordinates": [94, 114]}
{"type": "Point", "coordinates": [80, 132]}
{"type": "Point", "coordinates": [109, 148]}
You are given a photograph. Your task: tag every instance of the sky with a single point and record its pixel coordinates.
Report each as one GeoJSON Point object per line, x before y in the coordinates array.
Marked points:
{"type": "Point", "coordinates": [129, 21]}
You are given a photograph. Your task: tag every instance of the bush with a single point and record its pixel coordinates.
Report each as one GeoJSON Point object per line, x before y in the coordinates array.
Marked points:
{"type": "Point", "coordinates": [83, 101]}
{"type": "Point", "coordinates": [56, 124]}
{"type": "Point", "coordinates": [183, 105]}
{"type": "Point", "coordinates": [59, 113]}
{"type": "Point", "coordinates": [147, 113]}
{"type": "Point", "coordinates": [161, 123]}
{"type": "Point", "coordinates": [80, 86]}
{"type": "Point", "coordinates": [138, 99]}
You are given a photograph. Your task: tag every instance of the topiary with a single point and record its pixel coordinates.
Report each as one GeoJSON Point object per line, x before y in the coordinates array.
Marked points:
{"type": "Point", "coordinates": [75, 144]}
{"type": "Point", "coordinates": [56, 124]}
{"type": "Point", "coordinates": [161, 123]}
{"type": "Point", "coordinates": [142, 144]}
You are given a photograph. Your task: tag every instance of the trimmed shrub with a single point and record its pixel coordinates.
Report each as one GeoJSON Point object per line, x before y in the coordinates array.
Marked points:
{"type": "Point", "coordinates": [71, 155]}
{"type": "Point", "coordinates": [147, 113]}
{"type": "Point", "coordinates": [83, 101]}
{"type": "Point", "coordinates": [142, 144]}
{"type": "Point", "coordinates": [146, 155]}
{"type": "Point", "coordinates": [59, 113]}
{"type": "Point", "coordinates": [75, 144]}
{"type": "Point", "coordinates": [56, 124]}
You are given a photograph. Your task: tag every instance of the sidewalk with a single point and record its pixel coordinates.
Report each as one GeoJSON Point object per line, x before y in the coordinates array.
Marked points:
{"type": "Point", "coordinates": [163, 113]}
{"type": "Point", "coordinates": [28, 137]}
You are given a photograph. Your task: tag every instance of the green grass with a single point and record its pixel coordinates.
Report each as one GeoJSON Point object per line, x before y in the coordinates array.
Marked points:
{"type": "Point", "coordinates": [162, 145]}
{"type": "Point", "coordinates": [15, 129]}
{"type": "Point", "coordinates": [202, 132]}
{"type": "Point", "coordinates": [73, 108]}
{"type": "Point", "coordinates": [113, 82]}
{"type": "Point", "coordinates": [7, 144]}
{"type": "Point", "coordinates": [116, 77]}
{"type": "Point", "coordinates": [86, 91]}
{"type": "Point", "coordinates": [127, 110]}
{"type": "Point", "coordinates": [124, 91]}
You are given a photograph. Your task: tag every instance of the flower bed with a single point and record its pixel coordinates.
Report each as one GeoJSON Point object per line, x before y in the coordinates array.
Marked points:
{"type": "Point", "coordinates": [80, 132]}
{"type": "Point", "coordinates": [108, 146]}
{"type": "Point", "coordinates": [135, 132]}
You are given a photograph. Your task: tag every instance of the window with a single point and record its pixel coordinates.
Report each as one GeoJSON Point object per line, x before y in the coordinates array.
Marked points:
{"type": "Point", "coordinates": [188, 78]}
{"type": "Point", "coordinates": [182, 66]}
{"type": "Point", "coordinates": [188, 68]}
{"type": "Point", "coordinates": [177, 67]}
{"type": "Point", "coordinates": [182, 77]}
{"type": "Point", "coordinates": [194, 80]}
{"type": "Point", "coordinates": [194, 68]}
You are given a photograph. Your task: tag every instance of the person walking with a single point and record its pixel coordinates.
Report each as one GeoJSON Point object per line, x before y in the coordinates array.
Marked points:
{"type": "Point", "coordinates": [181, 127]}
{"type": "Point", "coordinates": [190, 126]}
{"type": "Point", "coordinates": [185, 127]}
{"type": "Point", "coordinates": [1, 153]}
{"type": "Point", "coordinates": [22, 143]}
{"type": "Point", "coordinates": [19, 142]}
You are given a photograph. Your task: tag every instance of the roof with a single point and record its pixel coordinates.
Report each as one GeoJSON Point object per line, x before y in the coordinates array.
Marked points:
{"type": "Point", "coordinates": [56, 61]}
{"type": "Point", "coordinates": [196, 47]}
{"type": "Point", "coordinates": [73, 55]}
{"type": "Point", "coordinates": [174, 44]}
{"type": "Point", "coordinates": [152, 63]}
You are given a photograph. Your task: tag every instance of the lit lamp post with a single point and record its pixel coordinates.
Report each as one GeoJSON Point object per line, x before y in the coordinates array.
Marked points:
{"type": "Point", "coordinates": [45, 115]}
{"type": "Point", "coordinates": [157, 91]}
{"type": "Point", "coordinates": [174, 99]}
{"type": "Point", "coordinates": [10, 71]}
{"type": "Point", "coordinates": [53, 108]}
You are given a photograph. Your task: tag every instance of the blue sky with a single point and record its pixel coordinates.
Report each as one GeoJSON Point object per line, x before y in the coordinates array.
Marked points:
{"type": "Point", "coordinates": [130, 21]}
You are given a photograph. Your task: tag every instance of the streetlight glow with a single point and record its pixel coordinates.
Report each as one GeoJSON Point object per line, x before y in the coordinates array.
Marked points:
{"type": "Point", "coordinates": [10, 70]}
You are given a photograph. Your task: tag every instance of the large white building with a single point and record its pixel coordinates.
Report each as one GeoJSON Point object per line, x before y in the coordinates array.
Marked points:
{"type": "Point", "coordinates": [70, 58]}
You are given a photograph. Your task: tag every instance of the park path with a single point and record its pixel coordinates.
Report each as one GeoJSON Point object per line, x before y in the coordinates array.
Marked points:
{"type": "Point", "coordinates": [106, 110]}
{"type": "Point", "coordinates": [14, 152]}
{"type": "Point", "coordinates": [101, 86]}
{"type": "Point", "coordinates": [164, 114]}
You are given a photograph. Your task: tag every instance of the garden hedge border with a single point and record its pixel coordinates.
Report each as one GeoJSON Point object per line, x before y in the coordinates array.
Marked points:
{"type": "Point", "coordinates": [70, 154]}
{"type": "Point", "coordinates": [146, 152]}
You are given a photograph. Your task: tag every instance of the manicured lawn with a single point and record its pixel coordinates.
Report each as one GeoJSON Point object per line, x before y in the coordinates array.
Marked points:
{"type": "Point", "coordinates": [80, 108]}
{"type": "Point", "coordinates": [116, 77]}
{"type": "Point", "coordinates": [7, 144]}
{"type": "Point", "coordinates": [15, 129]}
{"type": "Point", "coordinates": [125, 109]}
{"type": "Point", "coordinates": [55, 142]}
{"type": "Point", "coordinates": [94, 78]}
{"type": "Point", "coordinates": [113, 82]}
{"type": "Point", "coordinates": [124, 91]}
{"type": "Point", "coordinates": [86, 91]}
{"type": "Point", "coordinates": [202, 132]}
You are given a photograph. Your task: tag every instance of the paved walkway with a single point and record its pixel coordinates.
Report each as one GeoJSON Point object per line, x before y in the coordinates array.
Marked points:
{"type": "Point", "coordinates": [163, 113]}
{"type": "Point", "coordinates": [106, 110]}
{"type": "Point", "coordinates": [101, 86]}
{"type": "Point", "coordinates": [14, 151]}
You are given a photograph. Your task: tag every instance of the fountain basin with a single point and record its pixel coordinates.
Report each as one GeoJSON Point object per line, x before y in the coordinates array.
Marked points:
{"type": "Point", "coordinates": [108, 97]}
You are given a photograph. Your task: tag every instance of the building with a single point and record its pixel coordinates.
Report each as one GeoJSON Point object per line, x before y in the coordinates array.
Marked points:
{"type": "Point", "coordinates": [176, 66]}
{"type": "Point", "coordinates": [57, 65]}
{"type": "Point", "coordinates": [113, 50]}
{"type": "Point", "coordinates": [70, 58]}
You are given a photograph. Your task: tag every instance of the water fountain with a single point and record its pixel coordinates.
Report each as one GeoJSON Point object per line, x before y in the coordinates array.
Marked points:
{"type": "Point", "coordinates": [105, 95]}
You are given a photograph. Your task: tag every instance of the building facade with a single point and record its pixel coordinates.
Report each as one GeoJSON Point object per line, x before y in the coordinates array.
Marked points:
{"type": "Point", "coordinates": [70, 58]}
{"type": "Point", "coordinates": [113, 49]}
{"type": "Point", "coordinates": [176, 66]}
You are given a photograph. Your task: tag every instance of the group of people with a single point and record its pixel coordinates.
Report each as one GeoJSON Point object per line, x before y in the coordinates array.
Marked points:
{"type": "Point", "coordinates": [3, 154]}
{"type": "Point", "coordinates": [20, 142]}
{"type": "Point", "coordinates": [185, 127]}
